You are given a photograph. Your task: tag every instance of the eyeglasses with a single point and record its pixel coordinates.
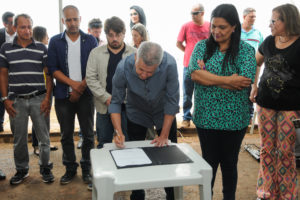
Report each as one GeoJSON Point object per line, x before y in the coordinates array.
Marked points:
{"type": "Point", "coordinates": [131, 14]}
{"type": "Point", "coordinates": [273, 21]}
{"type": "Point", "coordinates": [196, 13]}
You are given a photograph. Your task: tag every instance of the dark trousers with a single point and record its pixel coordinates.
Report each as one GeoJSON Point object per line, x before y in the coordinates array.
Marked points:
{"type": "Point", "coordinates": [138, 132]}
{"type": "Point", "coordinates": [220, 147]}
{"type": "Point", "coordinates": [2, 110]}
{"type": "Point", "coordinates": [66, 111]}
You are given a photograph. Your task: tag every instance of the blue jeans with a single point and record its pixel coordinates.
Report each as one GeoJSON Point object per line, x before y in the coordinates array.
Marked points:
{"type": "Point", "coordinates": [2, 110]}
{"type": "Point", "coordinates": [188, 89]}
{"type": "Point", "coordinates": [105, 129]}
{"type": "Point", "coordinates": [65, 112]}
{"type": "Point", "coordinates": [26, 108]}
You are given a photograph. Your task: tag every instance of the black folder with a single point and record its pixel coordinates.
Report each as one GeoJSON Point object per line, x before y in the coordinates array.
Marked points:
{"type": "Point", "coordinates": [162, 156]}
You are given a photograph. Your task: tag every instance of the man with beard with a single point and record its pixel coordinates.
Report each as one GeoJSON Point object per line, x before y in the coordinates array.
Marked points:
{"type": "Point", "coordinates": [100, 70]}
{"type": "Point", "coordinates": [67, 58]}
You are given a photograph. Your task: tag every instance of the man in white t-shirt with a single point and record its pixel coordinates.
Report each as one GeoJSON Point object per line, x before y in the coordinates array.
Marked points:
{"type": "Point", "coordinates": [7, 34]}
{"type": "Point", "coordinates": [68, 53]}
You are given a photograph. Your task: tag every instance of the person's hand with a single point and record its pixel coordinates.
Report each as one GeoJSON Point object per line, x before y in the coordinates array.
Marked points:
{"type": "Point", "coordinates": [239, 82]}
{"type": "Point", "coordinates": [119, 140]}
{"type": "Point", "coordinates": [201, 64]}
{"type": "Point", "coordinates": [74, 96]}
{"type": "Point", "coordinates": [9, 107]}
{"type": "Point", "coordinates": [160, 141]}
{"type": "Point", "coordinates": [78, 87]}
{"type": "Point", "coordinates": [45, 107]}
{"type": "Point", "coordinates": [253, 93]}
{"type": "Point", "coordinates": [107, 102]}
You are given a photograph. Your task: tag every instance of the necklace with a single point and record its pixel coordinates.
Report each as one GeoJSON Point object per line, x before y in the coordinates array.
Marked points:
{"type": "Point", "coordinates": [280, 40]}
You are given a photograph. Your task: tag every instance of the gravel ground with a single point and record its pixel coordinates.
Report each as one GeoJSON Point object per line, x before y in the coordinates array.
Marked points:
{"type": "Point", "coordinates": [34, 188]}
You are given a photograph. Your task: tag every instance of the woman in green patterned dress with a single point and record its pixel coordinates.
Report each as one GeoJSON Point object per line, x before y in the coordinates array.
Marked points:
{"type": "Point", "coordinates": [223, 68]}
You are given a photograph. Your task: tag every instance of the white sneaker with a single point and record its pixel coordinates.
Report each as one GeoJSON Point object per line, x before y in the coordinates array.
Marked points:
{"type": "Point", "coordinates": [79, 144]}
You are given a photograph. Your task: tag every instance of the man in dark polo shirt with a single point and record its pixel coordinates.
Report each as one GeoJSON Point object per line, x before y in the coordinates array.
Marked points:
{"type": "Point", "coordinates": [22, 67]}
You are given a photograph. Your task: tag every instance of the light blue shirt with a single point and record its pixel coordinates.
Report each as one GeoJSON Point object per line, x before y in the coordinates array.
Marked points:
{"type": "Point", "coordinates": [253, 37]}
{"type": "Point", "coordinates": [147, 100]}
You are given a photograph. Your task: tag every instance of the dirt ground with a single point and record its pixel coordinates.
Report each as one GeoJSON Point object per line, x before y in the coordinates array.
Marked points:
{"type": "Point", "coordinates": [34, 188]}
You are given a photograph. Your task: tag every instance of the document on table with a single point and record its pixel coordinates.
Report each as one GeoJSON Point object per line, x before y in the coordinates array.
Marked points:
{"type": "Point", "coordinates": [130, 157]}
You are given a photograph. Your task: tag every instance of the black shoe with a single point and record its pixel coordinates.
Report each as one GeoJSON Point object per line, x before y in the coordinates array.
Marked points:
{"type": "Point", "coordinates": [53, 148]}
{"type": "Point", "coordinates": [1, 128]}
{"type": "Point", "coordinates": [2, 175]}
{"type": "Point", "coordinates": [90, 187]}
{"type": "Point", "coordinates": [18, 177]}
{"type": "Point", "coordinates": [47, 175]}
{"type": "Point", "coordinates": [86, 177]}
{"type": "Point", "coordinates": [67, 177]}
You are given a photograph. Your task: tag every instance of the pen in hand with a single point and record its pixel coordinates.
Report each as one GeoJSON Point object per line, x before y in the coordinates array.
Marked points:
{"type": "Point", "coordinates": [118, 139]}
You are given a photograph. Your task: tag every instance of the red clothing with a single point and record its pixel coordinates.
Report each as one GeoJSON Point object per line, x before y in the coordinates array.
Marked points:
{"type": "Point", "coordinates": [192, 33]}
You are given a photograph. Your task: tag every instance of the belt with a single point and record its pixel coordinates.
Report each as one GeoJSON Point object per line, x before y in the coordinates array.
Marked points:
{"type": "Point", "coordinates": [29, 96]}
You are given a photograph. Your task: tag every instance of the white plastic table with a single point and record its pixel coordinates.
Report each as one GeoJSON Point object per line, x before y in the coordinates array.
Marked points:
{"type": "Point", "coordinates": [107, 179]}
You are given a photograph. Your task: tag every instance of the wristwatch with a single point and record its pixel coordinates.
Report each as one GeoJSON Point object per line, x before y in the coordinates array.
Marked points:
{"type": "Point", "coordinates": [4, 98]}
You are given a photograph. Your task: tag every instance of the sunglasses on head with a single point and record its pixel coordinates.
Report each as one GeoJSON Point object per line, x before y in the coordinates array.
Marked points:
{"type": "Point", "coordinates": [133, 14]}
{"type": "Point", "coordinates": [196, 13]}
{"type": "Point", "coordinates": [96, 24]}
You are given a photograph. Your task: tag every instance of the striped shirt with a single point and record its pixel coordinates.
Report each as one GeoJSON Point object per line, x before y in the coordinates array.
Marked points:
{"type": "Point", "coordinates": [25, 66]}
{"type": "Point", "coordinates": [253, 37]}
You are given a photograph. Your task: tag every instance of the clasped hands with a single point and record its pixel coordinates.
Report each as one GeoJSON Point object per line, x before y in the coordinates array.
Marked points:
{"type": "Point", "coordinates": [78, 88]}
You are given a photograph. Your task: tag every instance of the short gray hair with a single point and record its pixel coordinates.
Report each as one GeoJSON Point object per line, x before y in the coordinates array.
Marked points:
{"type": "Point", "coordinates": [151, 53]}
{"type": "Point", "coordinates": [248, 10]}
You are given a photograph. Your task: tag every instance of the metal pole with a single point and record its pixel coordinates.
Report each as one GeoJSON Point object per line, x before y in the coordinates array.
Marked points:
{"type": "Point", "coordinates": [61, 28]}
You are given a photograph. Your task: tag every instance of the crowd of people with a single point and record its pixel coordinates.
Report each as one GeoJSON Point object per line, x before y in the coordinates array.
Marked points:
{"type": "Point", "coordinates": [135, 91]}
